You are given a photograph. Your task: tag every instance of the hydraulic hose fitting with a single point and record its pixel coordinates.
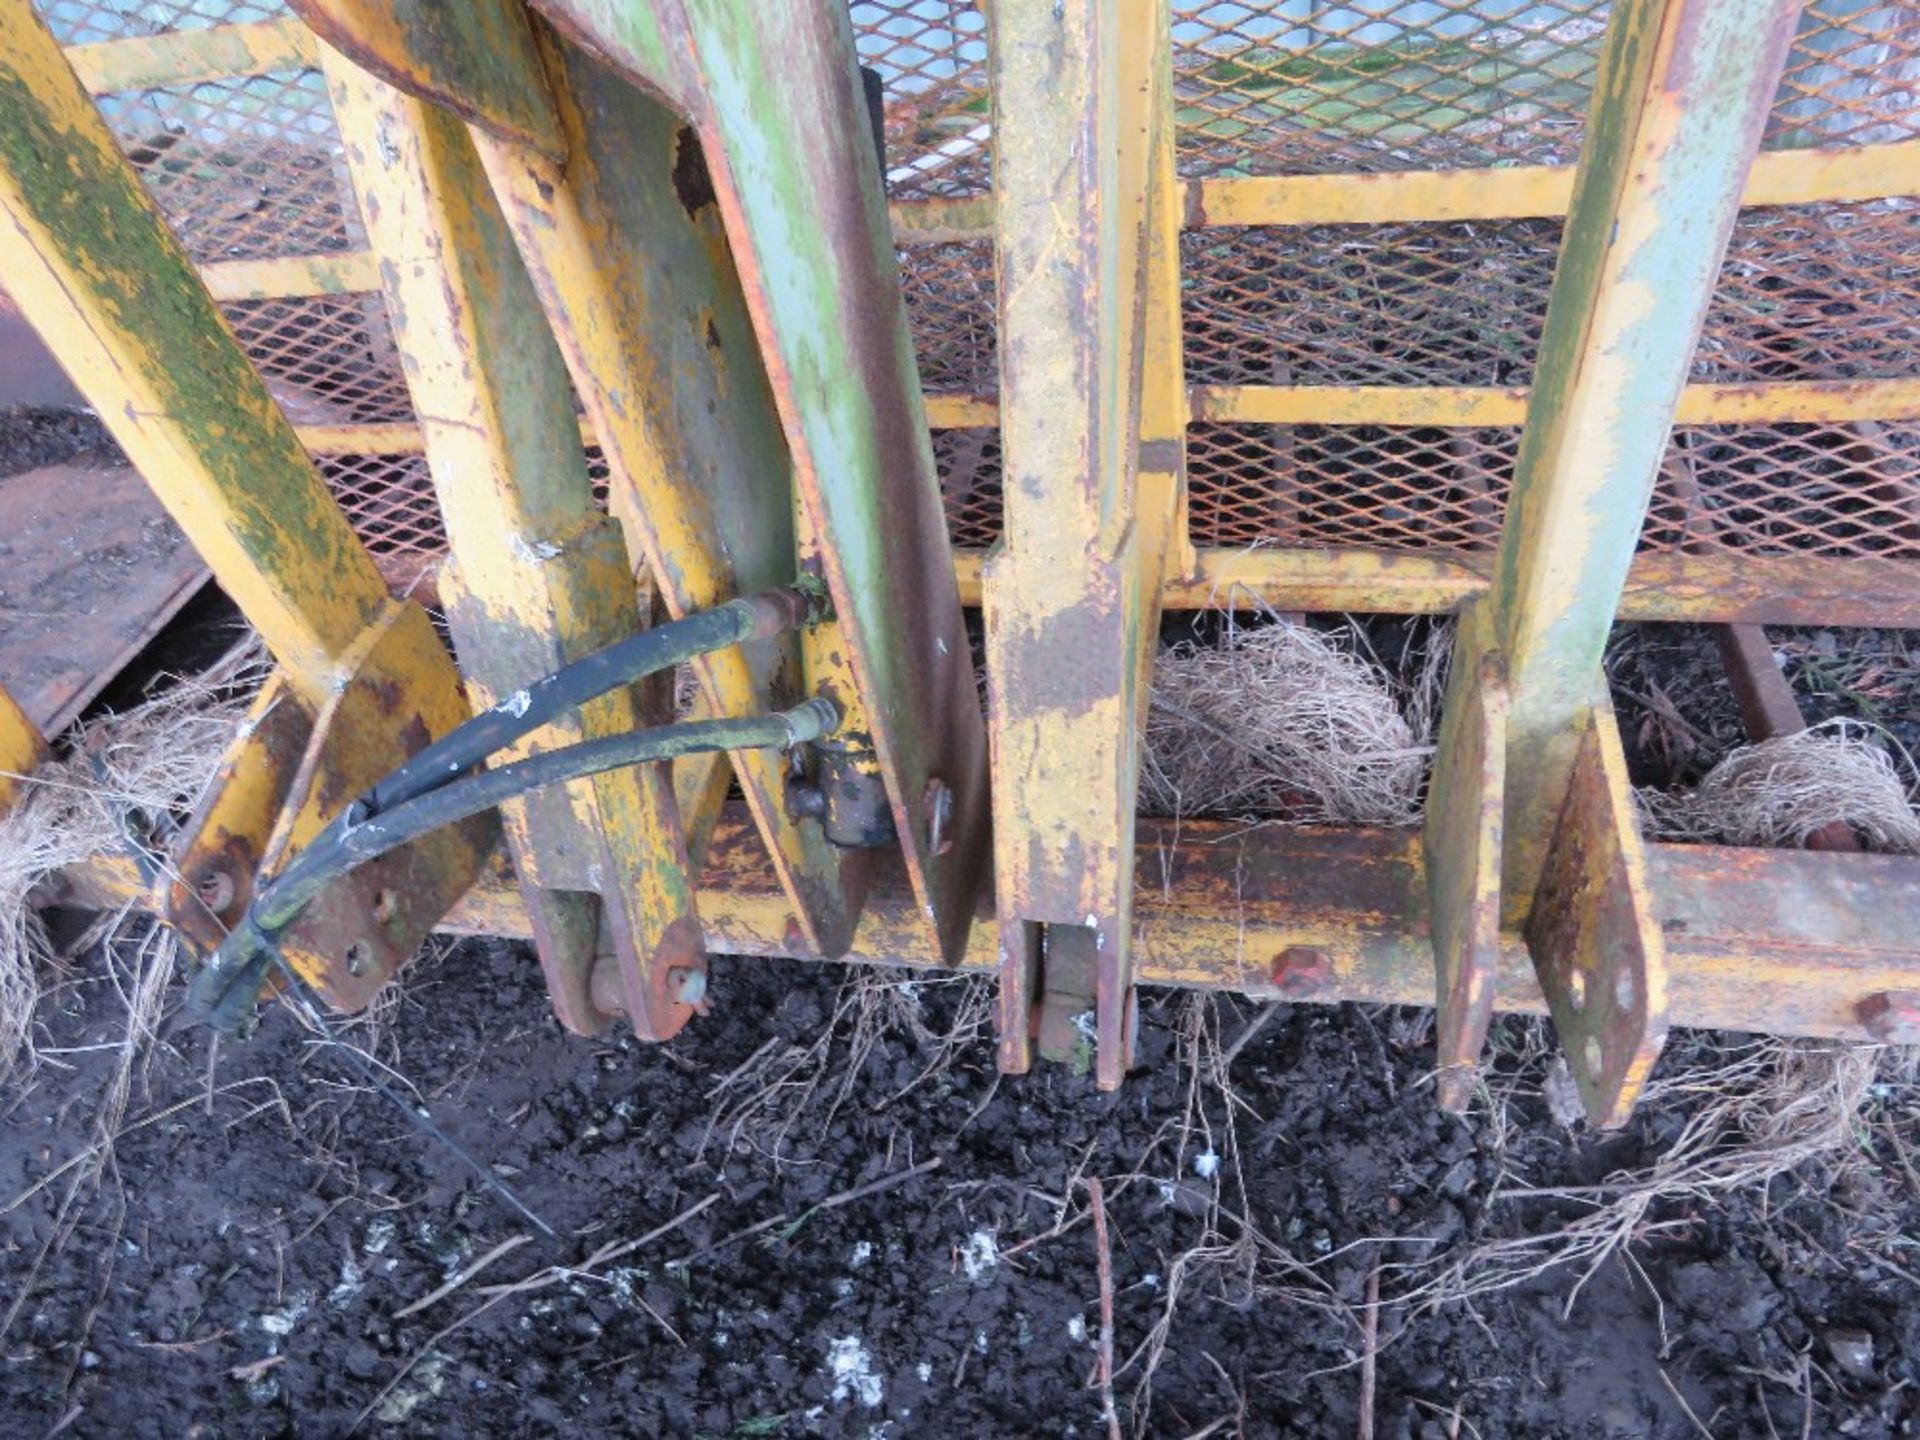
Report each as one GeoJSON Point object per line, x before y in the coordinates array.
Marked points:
{"type": "Point", "coordinates": [815, 719]}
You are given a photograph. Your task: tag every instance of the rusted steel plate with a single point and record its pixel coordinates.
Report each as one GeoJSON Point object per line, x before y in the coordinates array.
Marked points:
{"type": "Point", "coordinates": [1594, 937]}
{"type": "Point", "coordinates": [774, 93]}
{"type": "Point", "coordinates": [90, 568]}
{"type": "Point", "coordinates": [1461, 843]}
{"type": "Point", "coordinates": [211, 881]}
{"type": "Point", "coordinates": [399, 695]}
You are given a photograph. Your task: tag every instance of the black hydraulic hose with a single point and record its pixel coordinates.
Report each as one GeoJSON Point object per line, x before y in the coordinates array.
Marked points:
{"type": "Point", "coordinates": [222, 994]}
{"type": "Point", "coordinates": [755, 617]}
{"type": "Point", "coordinates": [330, 857]}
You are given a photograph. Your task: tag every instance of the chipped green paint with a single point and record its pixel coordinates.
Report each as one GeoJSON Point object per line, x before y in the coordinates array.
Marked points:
{"type": "Point", "coordinates": [1682, 96]}
{"type": "Point", "coordinates": [96, 270]}
{"type": "Point", "coordinates": [773, 92]}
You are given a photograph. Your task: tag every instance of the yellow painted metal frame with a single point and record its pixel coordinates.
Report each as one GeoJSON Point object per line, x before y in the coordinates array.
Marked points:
{"type": "Point", "coordinates": [538, 576]}
{"type": "Point", "coordinates": [1293, 579]}
{"type": "Point", "coordinates": [22, 748]}
{"type": "Point", "coordinates": [96, 270]}
{"type": "Point", "coordinates": [1094, 467]}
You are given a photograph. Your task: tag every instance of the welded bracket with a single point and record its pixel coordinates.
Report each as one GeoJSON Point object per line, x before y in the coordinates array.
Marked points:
{"type": "Point", "coordinates": [1595, 941]}
{"type": "Point", "coordinates": [291, 772]}
{"type": "Point", "coordinates": [622, 233]}
{"type": "Point", "coordinates": [1461, 846]}
{"type": "Point", "coordinates": [104, 280]}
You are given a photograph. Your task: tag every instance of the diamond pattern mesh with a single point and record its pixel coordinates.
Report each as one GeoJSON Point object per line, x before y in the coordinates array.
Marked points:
{"type": "Point", "coordinates": [1280, 87]}
{"type": "Point", "coordinates": [250, 168]}
{"type": "Point", "coordinates": [931, 56]}
{"type": "Point", "coordinates": [81, 22]}
{"type": "Point", "coordinates": [243, 168]}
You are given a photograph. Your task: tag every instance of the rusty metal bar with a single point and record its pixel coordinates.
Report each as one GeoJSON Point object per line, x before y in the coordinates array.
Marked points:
{"type": "Point", "coordinates": [1785, 941]}
{"type": "Point", "coordinates": [1468, 407]}
{"type": "Point", "coordinates": [1070, 598]}
{"type": "Point", "coordinates": [284, 277]}
{"type": "Point", "coordinates": [95, 268]}
{"type": "Point", "coordinates": [188, 57]}
{"type": "Point", "coordinates": [1778, 177]}
{"type": "Point", "coordinates": [1774, 589]}
{"type": "Point", "coordinates": [1461, 840]}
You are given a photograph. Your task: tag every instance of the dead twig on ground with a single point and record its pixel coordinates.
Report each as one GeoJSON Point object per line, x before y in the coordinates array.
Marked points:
{"type": "Point", "coordinates": [1103, 1254]}
{"type": "Point", "coordinates": [435, 1296]}
{"type": "Point", "coordinates": [1370, 1353]}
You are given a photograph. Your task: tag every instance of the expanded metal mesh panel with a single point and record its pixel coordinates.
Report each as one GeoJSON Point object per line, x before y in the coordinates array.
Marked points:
{"type": "Point", "coordinates": [251, 168]}
{"type": "Point", "coordinates": [389, 499]}
{"type": "Point", "coordinates": [950, 304]}
{"type": "Point", "coordinates": [1425, 304]}
{"type": "Point", "coordinates": [1379, 487]}
{"type": "Point", "coordinates": [931, 56]}
{"type": "Point", "coordinates": [328, 359]}
{"type": "Point", "coordinates": [242, 168]}
{"type": "Point", "coordinates": [1817, 292]}
{"type": "Point", "coordinates": [1852, 78]}
{"type": "Point", "coordinates": [81, 22]}
{"type": "Point", "coordinates": [1832, 490]}
{"type": "Point", "coordinates": [1281, 87]}
{"type": "Point", "coordinates": [970, 478]}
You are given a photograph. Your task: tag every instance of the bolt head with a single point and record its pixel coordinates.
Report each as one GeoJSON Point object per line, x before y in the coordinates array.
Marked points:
{"type": "Point", "coordinates": [1301, 968]}
{"type": "Point", "coordinates": [1891, 1016]}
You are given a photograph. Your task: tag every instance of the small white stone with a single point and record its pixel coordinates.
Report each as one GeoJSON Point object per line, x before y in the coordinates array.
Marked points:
{"type": "Point", "coordinates": [862, 1252]}
{"type": "Point", "coordinates": [852, 1370]}
{"type": "Point", "coordinates": [1077, 1329]}
{"type": "Point", "coordinates": [1206, 1164]}
{"type": "Point", "coordinates": [980, 1255]}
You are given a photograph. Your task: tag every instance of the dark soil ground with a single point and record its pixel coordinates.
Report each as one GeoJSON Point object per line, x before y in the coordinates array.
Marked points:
{"type": "Point", "coordinates": [911, 1254]}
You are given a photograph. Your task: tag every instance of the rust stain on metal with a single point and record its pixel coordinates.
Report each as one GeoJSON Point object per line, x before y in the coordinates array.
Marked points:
{"type": "Point", "coordinates": [1892, 1017]}
{"type": "Point", "coordinates": [1299, 969]}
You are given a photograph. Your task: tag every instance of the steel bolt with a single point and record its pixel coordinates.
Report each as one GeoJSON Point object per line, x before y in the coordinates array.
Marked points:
{"type": "Point", "coordinates": [939, 802]}
{"type": "Point", "coordinates": [1301, 967]}
{"type": "Point", "coordinates": [1891, 1016]}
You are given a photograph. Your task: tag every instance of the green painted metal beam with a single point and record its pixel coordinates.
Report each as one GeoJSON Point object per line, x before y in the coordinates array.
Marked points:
{"type": "Point", "coordinates": [1682, 96]}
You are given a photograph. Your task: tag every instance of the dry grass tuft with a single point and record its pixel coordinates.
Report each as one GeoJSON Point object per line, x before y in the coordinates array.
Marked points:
{"type": "Point", "coordinates": [1780, 791]}
{"type": "Point", "coordinates": [1282, 721]}
{"type": "Point", "coordinates": [1753, 1112]}
{"type": "Point", "coordinates": [121, 782]}
{"type": "Point", "coordinates": [760, 1101]}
